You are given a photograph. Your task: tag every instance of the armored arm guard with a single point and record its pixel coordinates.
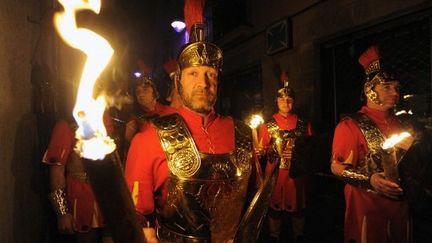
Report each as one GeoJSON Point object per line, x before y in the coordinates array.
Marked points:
{"type": "Point", "coordinates": [356, 178]}
{"type": "Point", "coordinates": [58, 202]}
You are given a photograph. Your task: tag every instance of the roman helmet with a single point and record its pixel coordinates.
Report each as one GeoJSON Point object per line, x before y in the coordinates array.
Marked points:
{"type": "Point", "coordinates": [370, 60]}
{"type": "Point", "coordinates": [285, 91]}
{"type": "Point", "coordinates": [198, 52]}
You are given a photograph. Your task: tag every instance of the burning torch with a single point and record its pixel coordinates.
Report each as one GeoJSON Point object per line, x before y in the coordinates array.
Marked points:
{"type": "Point", "coordinates": [390, 161]}
{"type": "Point", "coordinates": [93, 144]}
{"type": "Point", "coordinates": [254, 123]}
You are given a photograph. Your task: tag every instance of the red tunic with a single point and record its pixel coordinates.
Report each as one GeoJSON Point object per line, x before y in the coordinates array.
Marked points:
{"type": "Point", "coordinates": [79, 195]}
{"type": "Point", "coordinates": [146, 166]}
{"type": "Point", "coordinates": [288, 193]}
{"type": "Point", "coordinates": [369, 217]}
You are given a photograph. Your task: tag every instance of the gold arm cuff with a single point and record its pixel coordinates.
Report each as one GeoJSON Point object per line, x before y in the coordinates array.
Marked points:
{"type": "Point", "coordinates": [356, 178]}
{"type": "Point", "coordinates": [58, 202]}
{"type": "Point", "coordinates": [285, 164]}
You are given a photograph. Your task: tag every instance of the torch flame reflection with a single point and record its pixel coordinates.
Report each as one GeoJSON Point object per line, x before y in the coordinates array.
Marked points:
{"type": "Point", "coordinates": [395, 139]}
{"type": "Point", "coordinates": [93, 142]}
{"type": "Point", "coordinates": [255, 121]}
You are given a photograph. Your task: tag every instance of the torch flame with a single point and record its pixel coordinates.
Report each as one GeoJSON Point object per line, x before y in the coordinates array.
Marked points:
{"type": "Point", "coordinates": [255, 121]}
{"type": "Point", "coordinates": [395, 139]}
{"type": "Point", "coordinates": [401, 112]}
{"type": "Point", "coordinates": [93, 142]}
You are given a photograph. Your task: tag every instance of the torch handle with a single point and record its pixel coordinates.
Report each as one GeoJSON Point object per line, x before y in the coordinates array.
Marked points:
{"type": "Point", "coordinates": [113, 197]}
{"type": "Point", "coordinates": [390, 167]}
{"type": "Point", "coordinates": [255, 138]}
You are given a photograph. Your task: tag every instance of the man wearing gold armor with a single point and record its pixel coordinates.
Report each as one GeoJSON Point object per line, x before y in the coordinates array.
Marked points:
{"type": "Point", "coordinates": [190, 172]}
{"type": "Point", "coordinates": [278, 135]}
{"type": "Point", "coordinates": [375, 211]}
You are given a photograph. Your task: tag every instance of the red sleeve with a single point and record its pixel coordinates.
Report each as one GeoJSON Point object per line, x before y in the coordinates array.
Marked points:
{"type": "Point", "coordinates": [146, 169]}
{"type": "Point", "coordinates": [349, 144]}
{"type": "Point", "coordinates": [61, 144]}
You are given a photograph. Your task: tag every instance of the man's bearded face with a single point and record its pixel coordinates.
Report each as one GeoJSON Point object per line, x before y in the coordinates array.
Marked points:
{"type": "Point", "coordinates": [198, 88]}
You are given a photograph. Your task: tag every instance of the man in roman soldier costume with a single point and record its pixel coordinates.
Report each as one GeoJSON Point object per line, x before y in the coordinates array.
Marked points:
{"type": "Point", "coordinates": [189, 173]}
{"type": "Point", "coordinates": [71, 196]}
{"type": "Point", "coordinates": [145, 107]}
{"type": "Point", "coordinates": [278, 136]}
{"type": "Point", "coordinates": [375, 211]}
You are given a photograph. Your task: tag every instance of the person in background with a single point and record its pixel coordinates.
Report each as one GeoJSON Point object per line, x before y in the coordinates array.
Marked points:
{"type": "Point", "coordinates": [145, 107]}
{"type": "Point", "coordinates": [375, 209]}
{"type": "Point", "coordinates": [71, 195]}
{"type": "Point", "coordinates": [285, 216]}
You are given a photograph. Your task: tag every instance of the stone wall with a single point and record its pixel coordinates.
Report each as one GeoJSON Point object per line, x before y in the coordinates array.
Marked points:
{"type": "Point", "coordinates": [20, 187]}
{"type": "Point", "coordinates": [312, 22]}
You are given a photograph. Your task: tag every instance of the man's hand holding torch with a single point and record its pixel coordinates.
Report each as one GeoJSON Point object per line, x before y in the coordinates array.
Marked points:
{"type": "Point", "coordinates": [387, 182]}
{"type": "Point", "coordinates": [255, 121]}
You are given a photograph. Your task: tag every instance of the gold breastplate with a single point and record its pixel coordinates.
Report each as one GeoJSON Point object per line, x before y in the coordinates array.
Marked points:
{"type": "Point", "coordinates": [373, 160]}
{"type": "Point", "coordinates": [283, 136]}
{"type": "Point", "coordinates": [371, 163]}
{"type": "Point", "coordinates": [206, 192]}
